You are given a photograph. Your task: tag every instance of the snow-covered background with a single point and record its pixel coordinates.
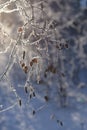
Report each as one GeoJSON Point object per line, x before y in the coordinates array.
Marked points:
{"type": "Point", "coordinates": [44, 111]}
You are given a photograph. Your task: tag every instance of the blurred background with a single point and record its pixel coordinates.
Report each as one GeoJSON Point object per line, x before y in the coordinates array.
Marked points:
{"type": "Point", "coordinates": [70, 20]}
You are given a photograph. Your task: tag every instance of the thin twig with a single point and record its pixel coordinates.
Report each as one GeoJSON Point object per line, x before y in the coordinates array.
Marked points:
{"type": "Point", "coordinates": [8, 108]}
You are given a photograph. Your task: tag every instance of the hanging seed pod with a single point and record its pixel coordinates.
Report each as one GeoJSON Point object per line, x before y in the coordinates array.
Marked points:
{"type": "Point", "coordinates": [26, 89]}
{"type": "Point", "coordinates": [63, 75]}
{"type": "Point", "coordinates": [33, 112]}
{"type": "Point", "coordinates": [34, 60]}
{"type": "Point", "coordinates": [45, 74]}
{"type": "Point", "coordinates": [42, 6]}
{"type": "Point", "coordinates": [30, 96]}
{"type": "Point", "coordinates": [66, 46]}
{"type": "Point", "coordinates": [22, 65]}
{"type": "Point", "coordinates": [46, 98]}
{"type": "Point", "coordinates": [75, 23]}
{"type": "Point", "coordinates": [25, 69]}
{"type": "Point", "coordinates": [57, 46]}
{"type": "Point", "coordinates": [60, 122]}
{"type": "Point", "coordinates": [51, 69]}
{"type": "Point", "coordinates": [23, 55]}
{"type": "Point", "coordinates": [19, 101]}
{"type": "Point", "coordinates": [61, 46]}
{"type": "Point", "coordinates": [34, 94]}
{"type": "Point", "coordinates": [31, 63]}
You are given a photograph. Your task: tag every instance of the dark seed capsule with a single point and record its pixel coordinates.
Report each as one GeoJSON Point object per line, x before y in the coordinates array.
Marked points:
{"type": "Point", "coordinates": [34, 94]}
{"type": "Point", "coordinates": [31, 63]}
{"type": "Point", "coordinates": [66, 46]}
{"type": "Point", "coordinates": [45, 75]}
{"type": "Point", "coordinates": [60, 122]}
{"type": "Point", "coordinates": [25, 69]}
{"type": "Point", "coordinates": [46, 98]}
{"type": "Point", "coordinates": [20, 102]}
{"type": "Point", "coordinates": [26, 89]}
{"type": "Point", "coordinates": [42, 6]}
{"type": "Point", "coordinates": [23, 65]}
{"type": "Point", "coordinates": [75, 23]}
{"type": "Point", "coordinates": [61, 46]}
{"type": "Point", "coordinates": [23, 54]}
{"type": "Point", "coordinates": [63, 74]}
{"type": "Point", "coordinates": [30, 96]}
{"type": "Point", "coordinates": [57, 46]}
{"type": "Point", "coordinates": [33, 112]}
